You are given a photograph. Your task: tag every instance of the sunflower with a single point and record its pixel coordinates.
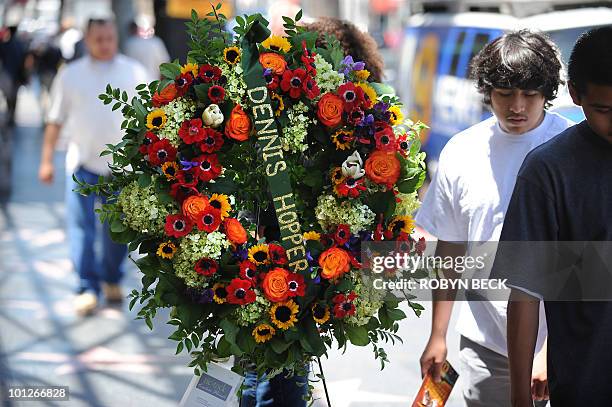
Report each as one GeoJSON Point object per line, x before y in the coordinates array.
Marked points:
{"type": "Point", "coordinates": [231, 55]}
{"type": "Point", "coordinates": [336, 176]}
{"type": "Point", "coordinates": [263, 333]}
{"type": "Point", "coordinates": [369, 91]}
{"type": "Point", "coordinates": [362, 75]}
{"type": "Point", "coordinates": [277, 43]}
{"type": "Point", "coordinates": [166, 250]}
{"type": "Point", "coordinates": [220, 202]}
{"type": "Point", "coordinates": [219, 293]}
{"type": "Point", "coordinates": [259, 254]}
{"type": "Point", "coordinates": [170, 169]}
{"type": "Point", "coordinates": [191, 67]}
{"type": "Point", "coordinates": [156, 119]}
{"type": "Point", "coordinates": [401, 224]}
{"type": "Point", "coordinates": [320, 313]}
{"type": "Point", "coordinates": [312, 235]}
{"type": "Point", "coordinates": [281, 104]}
{"type": "Point", "coordinates": [397, 116]}
{"type": "Point", "coordinates": [342, 139]}
{"type": "Point", "coordinates": [283, 314]}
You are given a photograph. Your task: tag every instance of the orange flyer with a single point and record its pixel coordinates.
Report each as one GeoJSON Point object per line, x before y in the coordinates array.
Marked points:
{"type": "Point", "coordinates": [433, 394]}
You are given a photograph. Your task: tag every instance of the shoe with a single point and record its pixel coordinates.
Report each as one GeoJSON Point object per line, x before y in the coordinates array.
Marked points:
{"type": "Point", "coordinates": [85, 304]}
{"type": "Point", "coordinates": [112, 293]}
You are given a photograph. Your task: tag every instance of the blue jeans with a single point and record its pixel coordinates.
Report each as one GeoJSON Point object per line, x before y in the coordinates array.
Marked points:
{"type": "Point", "coordinates": [81, 222]}
{"type": "Point", "coordinates": [276, 392]}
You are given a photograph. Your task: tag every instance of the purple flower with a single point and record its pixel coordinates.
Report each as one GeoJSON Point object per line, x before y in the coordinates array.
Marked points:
{"type": "Point", "coordinates": [347, 65]}
{"type": "Point", "coordinates": [200, 296]}
{"type": "Point", "coordinates": [187, 165]}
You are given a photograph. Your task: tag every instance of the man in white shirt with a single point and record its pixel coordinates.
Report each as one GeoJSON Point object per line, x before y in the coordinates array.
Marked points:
{"type": "Point", "coordinates": [89, 126]}
{"type": "Point", "coordinates": [518, 75]}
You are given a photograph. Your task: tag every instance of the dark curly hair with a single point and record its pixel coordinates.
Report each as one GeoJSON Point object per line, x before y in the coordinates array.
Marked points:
{"type": "Point", "coordinates": [518, 60]}
{"type": "Point", "coordinates": [361, 46]}
{"type": "Point", "coordinates": [591, 59]}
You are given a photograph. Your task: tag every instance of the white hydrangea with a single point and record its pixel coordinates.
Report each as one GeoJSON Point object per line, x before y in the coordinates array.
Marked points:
{"type": "Point", "coordinates": [331, 212]}
{"type": "Point", "coordinates": [252, 313]}
{"type": "Point", "coordinates": [327, 78]}
{"type": "Point", "coordinates": [368, 301]}
{"type": "Point", "coordinates": [236, 87]}
{"type": "Point", "coordinates": [192, 248]}
{"type": "Point", "coordinates": [143, 212]}
{"type": "Point", "coordinates": [294, 135]}
{"type": "Point", "coordinates": [407, 205]}
{"type": "Point", "coordinates": [177, 112]}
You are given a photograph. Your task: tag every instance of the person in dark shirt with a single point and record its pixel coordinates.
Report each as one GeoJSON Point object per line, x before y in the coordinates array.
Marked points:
{"type": "Point", "coordinates": [563, 194]}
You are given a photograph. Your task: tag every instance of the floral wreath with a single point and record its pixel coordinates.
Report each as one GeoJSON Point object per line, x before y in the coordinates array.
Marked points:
{"type": "Point", "coordinates": [249, 123]}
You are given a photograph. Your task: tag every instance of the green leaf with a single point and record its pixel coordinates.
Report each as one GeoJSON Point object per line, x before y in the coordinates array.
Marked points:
{"type": "Point", "coordinates": [358, 335]}
{"type": "Point", "coordinates": [298, 16]}
{"type": "Point", "coordinates": [179, 348]}
{"type": "Point", "coordinates": [245, 341]}
{"type": "Point", "coordinates": [201, 91]}
{"type": "Point", "coordinates": [117, 226]}
{"type": "Point", "coordinates": [170, 70]}
{"type": "Point", "coordinates": [141, 112]}
{"type": "Point", "coordinates": [144, 180]}
{"type": "Point", "coordinates": [279, 345]}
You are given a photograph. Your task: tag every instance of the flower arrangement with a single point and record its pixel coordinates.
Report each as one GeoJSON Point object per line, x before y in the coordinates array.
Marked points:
{"type": "Point", "coordinates": [247, 122]}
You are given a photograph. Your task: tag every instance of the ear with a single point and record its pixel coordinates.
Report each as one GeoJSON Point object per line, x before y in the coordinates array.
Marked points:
{"type": "Point", "coordinates": [574, 94]}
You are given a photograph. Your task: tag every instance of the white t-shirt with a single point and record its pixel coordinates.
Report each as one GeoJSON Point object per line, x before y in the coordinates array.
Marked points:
{"type": "Point", "coordinates": [150, 52]}
{"type": "Point", "coordinates": [467, 201]}
{"type": "Point", "coordinates": [87, 123]}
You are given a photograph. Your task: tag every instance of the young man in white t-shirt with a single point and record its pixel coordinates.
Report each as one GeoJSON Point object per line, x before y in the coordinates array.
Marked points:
{"type": "Point", "coordinates": [518, 75]}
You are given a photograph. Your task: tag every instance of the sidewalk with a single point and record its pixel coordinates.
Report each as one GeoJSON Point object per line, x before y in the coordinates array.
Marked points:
{"type": "Point", "coordinates": [110, 359]}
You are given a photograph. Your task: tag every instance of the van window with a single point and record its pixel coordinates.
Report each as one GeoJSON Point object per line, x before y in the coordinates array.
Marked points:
{"type": "Point", "coordinates": [480, 40]}
{"type": "Point", "coordinates": [457, 53]}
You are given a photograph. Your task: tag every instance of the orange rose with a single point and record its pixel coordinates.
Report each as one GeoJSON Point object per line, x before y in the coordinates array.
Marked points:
{"type": "Point", "coordinates": [273, 61]}
{"type": "Point", "coordinates": [194, 205]}
{"type": "Point", "coordinates": [238, 126]}
{"type": "Point", "coordinates": [275, 285]}
{"type": "Point", "coordinates": [167, 95]}
{"type": "Point", "coordinates": [383, 167]}
{"type": "Point", "coordinates": [329, 110]}
{"type": "Point", "coordinates": [334, 262]}
{"type": "Point", "coordinates": [235, 231]}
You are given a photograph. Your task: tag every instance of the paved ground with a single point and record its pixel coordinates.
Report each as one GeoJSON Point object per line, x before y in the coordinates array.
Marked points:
{"type": "Point", "coordinates": [111, 359]}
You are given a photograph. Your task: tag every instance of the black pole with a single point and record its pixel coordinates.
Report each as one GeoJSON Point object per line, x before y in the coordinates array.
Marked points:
{"type": "Point", "coordinates": [324, 382]}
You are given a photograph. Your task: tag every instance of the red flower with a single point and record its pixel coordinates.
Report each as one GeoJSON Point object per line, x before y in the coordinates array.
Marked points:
{"type": "Point", "coordinates": [240, 292]}
{"type": "Point", "coordinates": [343, 305]}
{"type": "Point", "coordinates": [293, 82]}
{"type": "Point", "coordinates": [210, 73]}
{"type": "Point", "coordinates": [180, 192]}
{"type": "Point", "coordinates": [352, 96]}
{"type": "Point", "coordinates": [350, 187]}
{"type": "Point", "coordinates": [308, 59]}
{"type": "Point", "coordinates": [403, 145]}
{"type": "Point", "coordinates": [342, 235]}
{"type": "Point", "coordinates": [182, 83]}
{"type": "Point", "coordinates": [277, 254]}
{"type": "Point", "coordinates": [213, 141]}
{"type": "Point", "coordinates": [272, 81]}
{"type": "Point", "coordinates": [191, 131]}
{"type": "Point", "coordinates": [297, 287]}
{"type": "Point", "coordinates": [384, 136]}
{"type": "Point", "coordinates": [167, 95]}
{"type": "Point", "coordinates": [248, 271]}
{"type": "Point", "coordinates": [209, 219]}
{"type": "Point", "coordinates": [206, 267]}
{"type": "Point", "coordinates": [420, 246]}
{"type": "Point", "coordinates": [209, 167]}
{"type": "Point", "coordinates": [161, 151]}
{"type": "Point", "coordinates": [311, 89]}
{"type": "Point", "coordinates": [177, 226]}
{"type": "Point", "coordinates": [149, 138]}
{"type": "Point", "coordinates": [188, 178]}
{"type": "Point", "coordinates": [216, 94]}
{"type": "Point", "coordinates": [355, 116]}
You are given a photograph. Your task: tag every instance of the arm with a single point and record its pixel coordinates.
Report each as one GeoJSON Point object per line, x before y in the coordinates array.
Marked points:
{"type": "Point", "coordinates": [435, 351]}
{"type": "Point", "coordinates": [539, 375]}
{"type": "Point", "coordinates": [523, 318]}
{"type": "Point", "coordinates": [46, 170]}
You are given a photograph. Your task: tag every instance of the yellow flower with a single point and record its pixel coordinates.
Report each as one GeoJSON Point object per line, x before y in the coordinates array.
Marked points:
{"type": "Point", "coordinates": [401, 224]}
{"type": "Point", "coordinates": [166, 250]}
{"type": "Point", "coordinates": [259, 254]}
{"type": "Point", "coordinates": [396, 115]}
{"type": "Point", "coordinates": [336, 176]}
{"type": "Point", "coordinates": [156, 119]}
{"type": "Point", "coordinates": [170, 169]}
{"type": "Point", "coordinates": [284, 314]}
{"type": "Point", "coordinates": [312, 235]}
{"type": "Point", "coordinates": [277, 43]}
{"type": "Point", "coordinates": [342, 139]}
{"type": "Point", "coordinates": [263, 333]}
{"type": "Point", "coordinates": [221, 202]}
{"type": "Point", "coordinates": [190, 67]}
{"type": "Point", "coordinates": [369, 91]}
{"type": "Point", "coordinates": [219, 293]}
{"type": "Point", "coordinates": [231, 55]}
{"type": "Point", "coordinates": [281, 104]}
{"type": "Point", "coordinates": [362, 75]}
{"type": "Point", "coordinates": [320, 313]}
